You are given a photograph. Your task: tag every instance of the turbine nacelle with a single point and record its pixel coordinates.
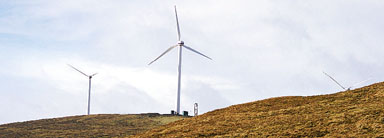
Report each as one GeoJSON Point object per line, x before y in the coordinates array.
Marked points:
{"type": "Point", "coordinates": [180, 43]}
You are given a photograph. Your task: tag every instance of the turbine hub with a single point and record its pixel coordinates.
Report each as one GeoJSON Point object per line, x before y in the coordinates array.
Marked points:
{"type": "Point", "coordinates": [180, 43]}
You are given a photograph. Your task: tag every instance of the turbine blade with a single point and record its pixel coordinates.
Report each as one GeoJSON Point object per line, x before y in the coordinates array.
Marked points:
{"type": "Point", "coordinates": [178, 28]}
{"type": "Point", "coordinates": [335, 81]}
{"type": "Point", "coordinates": [94, 74]}
{"type": "Point", "coordinates": [77, 70]}
{"type": "Point", "coordinates": [166, 51]}
{"type": "Point", "coordinates": [196, 51]}
{"type": "Point", "coordinates": [360, 82]}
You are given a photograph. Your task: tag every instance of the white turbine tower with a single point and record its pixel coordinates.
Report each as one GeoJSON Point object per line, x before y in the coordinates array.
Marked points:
{"type": "Point", "coordinates": [179, 44]}
{"type": "Point", "coordinates": [345, 88]}
{"type": "Point", "coordinates": [89, 89]}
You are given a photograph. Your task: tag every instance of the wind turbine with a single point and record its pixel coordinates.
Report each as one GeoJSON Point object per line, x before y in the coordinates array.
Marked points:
{"type": "Point", "coordinates": [89, 89]}
{"type": "Point", "coordinates": [345, 88]}
{"type": "Point", "coordinates": [180, 45]}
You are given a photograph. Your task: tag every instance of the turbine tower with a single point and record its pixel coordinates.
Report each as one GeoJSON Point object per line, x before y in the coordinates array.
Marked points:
{"type": "Point", "coordinates": [89, 89]}
{"type": "Point", "coordinates": [180, 45]}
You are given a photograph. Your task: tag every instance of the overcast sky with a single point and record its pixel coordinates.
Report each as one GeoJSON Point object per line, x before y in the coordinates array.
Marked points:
{"type": "Point", "coordinates": [260, 49]}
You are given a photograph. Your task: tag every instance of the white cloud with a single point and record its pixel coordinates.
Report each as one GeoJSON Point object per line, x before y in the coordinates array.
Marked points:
{"type": "Point", "coordinates": [115, 89]}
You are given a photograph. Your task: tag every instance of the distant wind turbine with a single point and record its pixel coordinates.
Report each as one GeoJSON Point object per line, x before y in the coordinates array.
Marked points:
{"type": "Point", "coordinates": [179, 44]}
{"type": "Point", "coordinates": [89, 89]}
{"type": "Point", "coordinates": [345, 88]}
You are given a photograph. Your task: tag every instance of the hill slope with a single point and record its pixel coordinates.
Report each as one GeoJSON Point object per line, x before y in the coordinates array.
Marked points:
{"type": "Point", "coordinates": [358, 112]}
{"type": "Point", "coordinates": [106, 125]}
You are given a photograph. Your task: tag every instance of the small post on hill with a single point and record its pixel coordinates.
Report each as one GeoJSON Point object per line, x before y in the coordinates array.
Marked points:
{"type": "Point", "coordinates": [196, 110]}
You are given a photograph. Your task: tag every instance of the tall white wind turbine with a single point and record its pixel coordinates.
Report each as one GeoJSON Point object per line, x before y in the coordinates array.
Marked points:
{"type": "Point", "coordinates": [89, 89]}
{"type": "Point", "coordinates": [180, 45]}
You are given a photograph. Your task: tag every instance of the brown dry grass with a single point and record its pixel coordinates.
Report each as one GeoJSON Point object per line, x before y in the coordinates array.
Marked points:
{"type": "Point", "coordinates": [105, 125]}
{"type": "Point", "coordinates": [356, 113]}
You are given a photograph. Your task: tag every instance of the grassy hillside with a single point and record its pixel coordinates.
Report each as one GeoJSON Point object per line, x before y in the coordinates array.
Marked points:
{"type": "Point", "coordinates": [355, 113]}
{"type": "Point", "coordinates": [106, 125]}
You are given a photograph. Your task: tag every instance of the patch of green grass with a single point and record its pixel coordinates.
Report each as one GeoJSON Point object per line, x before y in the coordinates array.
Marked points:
{"type": "Point", "coordinates": [166, 120]}
{"type": "Point", "coordinates": [104, 125]}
